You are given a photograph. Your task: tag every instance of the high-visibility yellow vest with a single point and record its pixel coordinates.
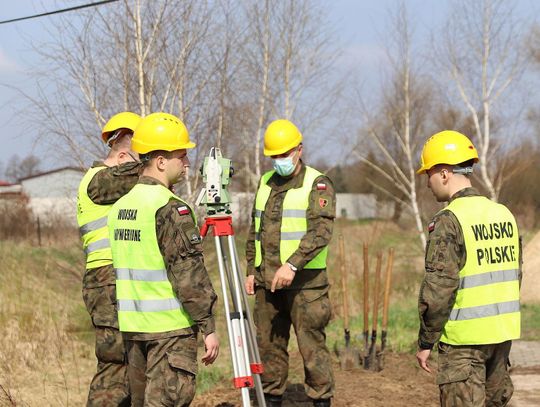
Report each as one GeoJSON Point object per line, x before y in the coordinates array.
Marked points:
{"type": "Point", "coordinates": [293, 219]}
{"type": "Point", "coordinates": [145, 297]}
{"type": "Point", "coordinates": [92, 220]}
{"type": "Point", "coordinates": [487, 302]}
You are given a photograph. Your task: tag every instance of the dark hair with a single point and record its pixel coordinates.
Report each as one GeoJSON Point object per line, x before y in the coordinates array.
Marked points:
{"type": "Point", "coordinates": [466, 164]}
{"type": "Point", "coordinates": [146, 158]}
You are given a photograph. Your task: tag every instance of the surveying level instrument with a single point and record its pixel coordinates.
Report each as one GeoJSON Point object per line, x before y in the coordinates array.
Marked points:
{"type": "Point", "coordinates": [214, 196]}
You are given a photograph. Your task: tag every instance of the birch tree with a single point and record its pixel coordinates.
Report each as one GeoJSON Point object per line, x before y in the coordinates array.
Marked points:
{"type": "Point", "coordinates": [482, 53]}
{"type": "Point", "coordinates": [396, 128]}
{"type": "Point", "coordinates": [225, 68]}
{"type": "Point", "coordinates": [289, 56]}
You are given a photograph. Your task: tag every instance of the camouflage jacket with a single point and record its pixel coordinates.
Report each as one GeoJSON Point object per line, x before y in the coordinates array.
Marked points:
{"type": "Point", "coordinates": [106, 187]}
{"type": "Point", "coordinates": [445, 257]}
{"type": "Point", "coordinates": [112, 183]}
{"type": "Point", "coordinates": [320, 222]}
{"type": "Point", "coordinates": [180, 243]}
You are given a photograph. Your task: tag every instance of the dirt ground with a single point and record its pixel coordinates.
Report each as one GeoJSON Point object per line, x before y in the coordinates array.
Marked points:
{"type": "Point", "coordinates": [530, 286]}
{"type": "Point", "coordinates": [401, 383]}
{"type": "Point", "coordinates": [526, 387]}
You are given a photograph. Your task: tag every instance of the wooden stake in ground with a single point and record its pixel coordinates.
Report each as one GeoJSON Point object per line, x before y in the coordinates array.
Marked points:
{"type": "Point", "coordinates": [372, 364]}
{"type": "Point", "coordinates": [366, 306]}
{"type": "Point", "coordinates": [386, 301]}
{"type": "Point", "coordinates": [349, 357]}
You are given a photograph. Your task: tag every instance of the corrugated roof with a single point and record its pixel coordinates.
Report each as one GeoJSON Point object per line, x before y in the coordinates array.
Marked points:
{"type": "Point", "coordinates": [51, 172]}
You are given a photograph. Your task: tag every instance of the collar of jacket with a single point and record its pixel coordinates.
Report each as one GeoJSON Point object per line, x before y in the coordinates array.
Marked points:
{"type": "Point", "coordinates": [469, 191]}
{"type": "Point", "coordinates": [145, 179]}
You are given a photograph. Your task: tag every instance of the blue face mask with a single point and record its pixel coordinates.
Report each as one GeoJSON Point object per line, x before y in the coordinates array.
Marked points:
{"type": "Point", "coordinates": [284, 166]}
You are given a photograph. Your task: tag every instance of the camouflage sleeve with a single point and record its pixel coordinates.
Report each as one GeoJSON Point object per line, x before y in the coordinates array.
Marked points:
{"type": "Point", "coordinates": [320, 222]}
{"type": "Point", "coordinates": [445, 256]}
{"type": "Point", "coordinates": [250, 245]}
{"type": "Point", "coordinates": [112, 183]}
{"type": "Point", "coordinates": [179, 241]}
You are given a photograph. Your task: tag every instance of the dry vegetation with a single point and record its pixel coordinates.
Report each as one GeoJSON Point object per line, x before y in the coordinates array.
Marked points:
{"type": "Point", "coordinates": [44, 359]}
{"type": "Point", "coordinates": [46, 346]}
{"type": "Point", "coordinates": [46, 349]}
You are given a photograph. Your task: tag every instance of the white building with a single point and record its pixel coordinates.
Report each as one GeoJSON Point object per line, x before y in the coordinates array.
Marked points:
{"type": "Point", "coordinates": [53, 194]}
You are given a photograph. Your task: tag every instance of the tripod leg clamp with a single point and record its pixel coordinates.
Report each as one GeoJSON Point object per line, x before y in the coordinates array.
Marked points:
{"type": "Point", "coordinates": [246, 381]}
{"type": "Point", "coordinates": [256, 368]}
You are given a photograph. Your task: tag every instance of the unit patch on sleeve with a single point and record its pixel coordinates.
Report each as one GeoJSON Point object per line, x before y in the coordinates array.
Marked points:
{"type": "Point", "coordinates": [183, 210]}
{"type": "Point", "coordinates": [323, 202]}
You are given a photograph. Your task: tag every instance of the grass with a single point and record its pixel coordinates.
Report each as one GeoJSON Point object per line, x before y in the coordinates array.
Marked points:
{"type": "Point", "coordinates": [46, 349]}
{"type": "Point", "coordinates": [530, 322]}
{"type": "Point", "coordinates": [41, 362]}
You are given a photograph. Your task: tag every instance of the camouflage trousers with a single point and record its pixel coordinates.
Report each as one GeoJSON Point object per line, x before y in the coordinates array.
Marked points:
{"type": "Point", "coordinates": [309, 312]}
{"type": "Point", "coordinates": [474, 375]}
{"type": "Point", "coordinates": [109, 387]}
{"type": "Point", "coordinates": [162, 371]}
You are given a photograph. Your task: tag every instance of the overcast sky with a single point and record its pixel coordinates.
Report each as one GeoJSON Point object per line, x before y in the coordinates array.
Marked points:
{"type": "Point", "coordinates": [359, 25]}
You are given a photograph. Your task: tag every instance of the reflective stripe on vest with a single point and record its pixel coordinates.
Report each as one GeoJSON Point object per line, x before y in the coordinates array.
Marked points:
{"type": "Point", "coordinates": [92, 226]}
{"type": "Point", "coordinates": [92, 220]}
{"type": "Point", "coordinates": [97, 245]}
{"type": "Point", "coordinates": [149, 305]}
{"type": "Point", "coordinates": [293, 219]}
{"type": "Point", "coordinates": [146, 300]}
{"type": "Point", "coordinates": [141, 275]}
{"type": "Point", "coordinates": [486, 309]}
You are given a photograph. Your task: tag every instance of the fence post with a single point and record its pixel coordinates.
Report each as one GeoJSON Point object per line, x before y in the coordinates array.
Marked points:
{"type": "Point", "coordinates": [39, 231]}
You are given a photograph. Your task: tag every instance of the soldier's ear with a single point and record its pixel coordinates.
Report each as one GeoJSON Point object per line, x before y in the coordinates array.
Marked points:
{"type": "Point", "coordinates": [161, 162]}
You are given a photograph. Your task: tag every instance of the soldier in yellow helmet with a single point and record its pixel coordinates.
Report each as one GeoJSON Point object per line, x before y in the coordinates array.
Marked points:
{"type": "Point", "coordinates": [163, 290]}
{"type": "Point", "coordinates": [469, 298]}
{"type": "Point", "coordinates": [104, 183]}
{"type": "Point", "coordinates": [286, 252]}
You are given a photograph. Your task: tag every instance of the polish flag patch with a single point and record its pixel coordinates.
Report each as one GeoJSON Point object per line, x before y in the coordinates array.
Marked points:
{"type": "Point", "coordinates": [431, 227]}
{"type": "Point", "coordinates": [321, 186]}
{"type": "Point", "coordinates": [183, 210]}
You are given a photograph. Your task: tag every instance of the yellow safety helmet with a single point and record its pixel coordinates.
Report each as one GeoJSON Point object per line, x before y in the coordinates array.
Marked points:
{"type": "Point", "coordinates": [446, 147]}
{"type": "Point", "coordinates": [280, 137]}
{"type": "Point", "coordinates": [160, 131]}
{"type": "Point", "coordinates": [124, 120]}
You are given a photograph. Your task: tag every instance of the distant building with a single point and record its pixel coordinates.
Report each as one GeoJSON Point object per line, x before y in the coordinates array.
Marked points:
{"type": "Point", "coordinates": [356, 206]}
{"type": "Point", "coordinates": [53, 194]}
{"type": "Point", "coordinates": [10, 191]}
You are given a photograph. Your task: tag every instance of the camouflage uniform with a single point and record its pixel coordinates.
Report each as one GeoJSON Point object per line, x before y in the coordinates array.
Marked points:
{"type": "Point", "coordinates": [469, 375]}
{"type": "Point", "coordinates": [305, 303]}
{"type": "Point", "coordinates": [162, 366]}
{"type": "Point", "coordinates": [109, 387]}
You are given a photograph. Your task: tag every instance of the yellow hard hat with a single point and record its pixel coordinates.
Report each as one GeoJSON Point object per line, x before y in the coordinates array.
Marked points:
{"type": "Point", "coordinates": [447, 147]}
{"type": "Point", "coordinates": [124, 120]}
{"type": "Point", "coordinates": [280, 137]}
{"type": "Point", "coordinates": [160, 131]}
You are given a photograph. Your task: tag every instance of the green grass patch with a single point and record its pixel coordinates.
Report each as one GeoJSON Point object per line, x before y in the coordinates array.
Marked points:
{"type": "Point", "coordinates": [210, 377]}
{"type": "Point", "coordinates": [530, 322]}
{"type": "Point", "coordinates": [402, 330]}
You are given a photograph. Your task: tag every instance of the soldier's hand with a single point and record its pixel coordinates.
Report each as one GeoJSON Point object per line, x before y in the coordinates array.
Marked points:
{"type": "Point", "coordinates": [250, 284]}
{"type": "Point", "coordinates": [283, 278]}
{"type": "Point", "coordinates": [422, 357]}
{"type": "Point", "coordinates": [211, 344]}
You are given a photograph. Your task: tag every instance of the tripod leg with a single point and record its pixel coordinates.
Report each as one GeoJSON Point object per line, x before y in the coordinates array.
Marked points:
{"type": "Point", "coordinates": [254, 356]}
{"type": "Point", "coordinates": [237, 289]}
{"type": "Point", "coordinates": [234, 332]}
{"type": "Point", "coordinates": [228, 274]}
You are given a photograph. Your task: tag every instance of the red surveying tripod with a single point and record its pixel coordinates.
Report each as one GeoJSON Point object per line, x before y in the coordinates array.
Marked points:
{"type": "Point", "coordinates": [246, 360]}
